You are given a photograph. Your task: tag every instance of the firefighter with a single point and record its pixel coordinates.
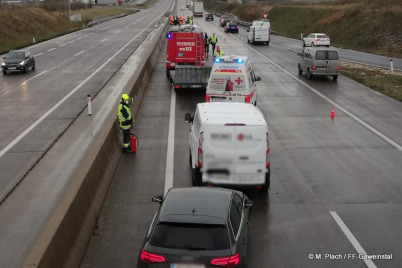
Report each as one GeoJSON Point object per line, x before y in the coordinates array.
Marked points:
{"type": "Point", "coordinates": [125, 121]}
{"type": "Point", "coordinates": [171, 19]}
{"type": "Point", "coordinates": [219, 52]}
{"type": "Point", "coordinates": [181, 19]}
{"type": "Point", "coordinates": [191, 20]}
{"type": "Point", "coordinates": [207, 39]}
{"type": "Point", "coordinates": [176, 20]}
{"type": "Point", "coordinates": [213, 42]}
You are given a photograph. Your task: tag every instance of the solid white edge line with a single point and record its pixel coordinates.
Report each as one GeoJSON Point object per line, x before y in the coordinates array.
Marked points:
{"type": "Point", "coordinates": [37, 122]}
{"type": "Point", "coordinates": [352, 239]}
{"type": "Point", "coordinates": [51, 49]}
{"type": "Point", "coordinates": [170, 146]}
{"type": "Point", "coordinates": [79, 53]}
{"type": "Point", "coordinates": [372, 129]}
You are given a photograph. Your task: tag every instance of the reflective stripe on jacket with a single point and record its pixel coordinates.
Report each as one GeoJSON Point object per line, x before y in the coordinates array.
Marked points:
{"type": "Point", "coordinates": [214, 39]}
{"type": "Point", "coordinates": [125, 118]}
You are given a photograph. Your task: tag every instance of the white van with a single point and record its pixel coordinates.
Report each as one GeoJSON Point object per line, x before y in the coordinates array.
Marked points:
{"type": "Point", "coordinates": [232, 79]}
{"type": "Point", "coordinates": [259, 32]}
{"type": "Point", "coordinates": [229, 145]}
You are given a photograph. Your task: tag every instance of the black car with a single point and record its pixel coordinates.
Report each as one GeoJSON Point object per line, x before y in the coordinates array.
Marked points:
{"type": "Point", "coordinates": [231, 27]}
{"type": "Point", "coordinates": [209, 17]}
{"type": "Point", "coordinates": [198, 227]}
{"type": "Point", "coordinates": [18, 60]}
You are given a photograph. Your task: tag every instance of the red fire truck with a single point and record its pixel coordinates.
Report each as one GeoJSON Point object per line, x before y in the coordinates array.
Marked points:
{"type": "Point", "coordinates": [185, 58]}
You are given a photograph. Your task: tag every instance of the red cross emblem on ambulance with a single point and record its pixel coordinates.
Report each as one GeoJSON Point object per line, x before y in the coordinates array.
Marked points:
{"type": "Point", "coordinates": [239, 81]}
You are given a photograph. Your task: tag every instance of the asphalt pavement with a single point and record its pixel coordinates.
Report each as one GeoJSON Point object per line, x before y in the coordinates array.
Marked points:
{"type": "Point", "coordinates": [336, 189]}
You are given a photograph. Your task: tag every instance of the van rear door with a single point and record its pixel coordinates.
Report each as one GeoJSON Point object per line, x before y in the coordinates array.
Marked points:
{"type": "Point", "coordinates": [234, 154]}
{"type": "Point", "coordinates": [261, 33]}
{"type": "Point", "coordinates": [326, 61]}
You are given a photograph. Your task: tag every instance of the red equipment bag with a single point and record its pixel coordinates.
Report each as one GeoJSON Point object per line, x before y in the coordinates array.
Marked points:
{"type": "Point", "coordinates": [133, 142]}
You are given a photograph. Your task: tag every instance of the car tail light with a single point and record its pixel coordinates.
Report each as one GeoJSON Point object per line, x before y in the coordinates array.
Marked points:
{"type": "Point", "coordinates": [328, 39]}
{"type": "Point", "coordinates": [267, 163]}
{"type": "Point", "coordinates": [178, 86]}
{"type": "Point", "coordinates": [313, 67]}
{"type": "Point", "coordinates": [317, 39]}
{"type": "Point", "coordinates": [206, 98]}
{"type": "Point", "coordinates": [247, 99]}
{"type": "Point", "coordinates": [230, 261]}
{"type": "Point", "coordinates": [200, 152]}
{"type": "Point", "coordinates": [338, 68]}
{"type": "Point", "coordinates": [151, 258]}
{"type": "Point", "coordinates": [228, 28]}
{"type": "Point", "coordinates": [237, 27]}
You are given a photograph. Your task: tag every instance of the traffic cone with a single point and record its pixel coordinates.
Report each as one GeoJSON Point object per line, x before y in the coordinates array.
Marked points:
{"type": "Point", "coordinates": [332, 113]}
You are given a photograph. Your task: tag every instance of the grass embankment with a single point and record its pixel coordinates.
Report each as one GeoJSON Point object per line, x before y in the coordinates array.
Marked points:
{"type": "Point", "coordinates": [372, 26]}
{"type": "Point", "coordinates": [378, 79]}
{"type": "Point", "coordinates": [19, 24]}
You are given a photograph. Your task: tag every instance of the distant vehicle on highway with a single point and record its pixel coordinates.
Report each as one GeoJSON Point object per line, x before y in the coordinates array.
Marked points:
{"type": "Point", "coordinates": [18, 60]}
{"type": "Point", "coordinates": [198, 228]}
{"type": "Point", "coordinates": [231, 27]}
{"type": "Point", "coordinates": [209, 17]}
{"type": "Point", "coordinates": [319, 61]}
{"type": "Point", "coordinates": [259, 32]}
{"type": "Point", "coordinates": [223, 21]}
{"type": "Point", "coordinates": [316, 39]}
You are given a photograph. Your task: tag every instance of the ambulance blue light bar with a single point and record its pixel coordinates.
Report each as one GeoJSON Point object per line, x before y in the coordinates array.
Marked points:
{"type": "Point", "coordinates": [168, 35]}
{"type": "Point", "coordinates": [218, 60]}
{"type": "Point", "coordinates": [239, 60]}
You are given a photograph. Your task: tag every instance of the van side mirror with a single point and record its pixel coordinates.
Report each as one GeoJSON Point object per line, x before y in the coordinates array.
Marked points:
{"type": "Point", "coordinates": [258, 78]}
{"type": "Point", "coordinates": [157, 199]}
{"type": "Point", "coordinates": [248, 203]}
{"type": "Point", "coordinates": [188, 118]}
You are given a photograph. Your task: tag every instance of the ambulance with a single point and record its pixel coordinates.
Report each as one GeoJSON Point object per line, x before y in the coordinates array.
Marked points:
{"type": "Point", "coordinates": [229, 145]}
{"type": "Point", "coordinates": [232, 79]}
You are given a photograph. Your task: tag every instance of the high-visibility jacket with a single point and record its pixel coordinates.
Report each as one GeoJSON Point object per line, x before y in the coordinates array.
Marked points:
{"type": "Point", "coordinates": [218, 53]}
{"type": "Point", "coordinates": [124, 114]}
{"type": "Point", "coordinates": [206, 40]}
{"type": "Point", "coordinates": [214, 39]}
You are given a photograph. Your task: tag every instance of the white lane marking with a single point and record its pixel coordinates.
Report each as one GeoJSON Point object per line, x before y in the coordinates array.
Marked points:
{"type": "Point", "coordinates": [34, 77]}
{"type": "Point", "coordinates": [51, 49]}
{"type": "Point", "coordinates": [79, 53]}
{"type": "Point", "coordinates": [371, 65]}
{"type": "Point", "coordinates": [372, 129]}
{"type": "Point", "coordinates": [37, 55]}
{"type": "Point", "coordinates": [72, 41]}
{"type": "Point", "coordinates": [62, 45]}
{"type": "Point", "coordinates": [60, 102]}
{"type": "Point", "coordinates": [84, 36]}
{"type": "Point", "coordinates": [103, 40]}
{"type": "Point", "coordinates": [352, 239]}
{"type": "Point", "coordinates": [79, 38]}
{"type": "Point", "coordinates": [90, 34]}
{"type": "Point", "coordinates": [170, 146]}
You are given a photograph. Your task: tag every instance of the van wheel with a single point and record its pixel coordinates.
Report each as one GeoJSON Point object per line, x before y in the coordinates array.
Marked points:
{"type": "Point", "coordinates": [312, 44]}
{"type": "Point", "coordinates": [309, 75]}
{"type": "Point", "coordinates": [335, 77]}
{"type": "Point", "coordinates": [304, 44]}
{"type": "Point", "coordinates": [5, 72]}
{"type": "Point", "coordinates": [197, 176]}
{"type": "Point", "coordinates": [255, 103]}
{"type": "Point", "coordinates": [300, 70]}
{"type": "Point", "coordinates": [33, 67]}
{"type": "Point", "coordinates": [267, 183]}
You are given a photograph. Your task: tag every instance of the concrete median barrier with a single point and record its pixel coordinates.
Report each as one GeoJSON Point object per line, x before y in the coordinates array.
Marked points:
{"type": "Point", "coordinates": [91, 149]}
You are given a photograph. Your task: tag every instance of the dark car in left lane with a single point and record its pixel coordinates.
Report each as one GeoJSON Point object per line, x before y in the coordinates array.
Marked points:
{"type": "Point", "coordinates": [209, 17]}
{"type": "Point", "coordinates": [231, 27]}
{"type": "Point", "coordinates": [18, 60]}
{"type": "Point", "coordinates": [198, 227]}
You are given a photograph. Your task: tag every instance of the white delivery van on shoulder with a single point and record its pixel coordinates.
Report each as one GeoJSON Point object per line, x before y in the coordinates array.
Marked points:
{"type": "Point", "coordinates": [229, 145]}
{"type": "Point", "coordinates": [232, 79]}
{"type": "Point", "coordinates": [259, 32]}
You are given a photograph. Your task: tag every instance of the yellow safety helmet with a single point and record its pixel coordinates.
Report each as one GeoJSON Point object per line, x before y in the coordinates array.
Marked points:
{"type": "Point", "coordinates": [125, 97]}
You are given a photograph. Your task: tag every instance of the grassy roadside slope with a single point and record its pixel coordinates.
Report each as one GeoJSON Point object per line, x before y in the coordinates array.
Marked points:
{"type": "Point", "coordinates": [18, 24]}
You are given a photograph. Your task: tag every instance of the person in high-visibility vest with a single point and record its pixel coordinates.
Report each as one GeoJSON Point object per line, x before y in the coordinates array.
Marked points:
{"type": "Point", "coordinates": [125, 121]}
{"type": "Point", "coordinates": [219, 52]}
{"type": "Point", "coordinates": [181, 19]}
{"type": "Point", "coordinates": [214, 40]}
{"type": "Point", "coordinates": [171, 19]}
{"type": "Point", "coordinates": [206, 43]}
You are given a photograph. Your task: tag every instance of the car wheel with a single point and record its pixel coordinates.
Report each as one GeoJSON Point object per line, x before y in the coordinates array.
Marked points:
{"type": "Point", "coordinates": [267, 183]}
{"type": "Point", "coordinates": [309, 75]}
{"type": "Point", "coordinates": [33, 66]}
{"type": "Point", "coordinates": [300, 70]}
{"type": "Point", "coordinates": [5, 72]}
{"type": "Point", "coordinates": [268, 43]}
{"type": "Point", "coordinates": [304, 44]}
{"type": "Point", "coordinates": [328, 46]}
{"type": "Point", "coordinates": [197, 177]}
{"type": "Point", "coordinates": [255, 103]}
{"type": "Point", "coordinates": [312, 44]}
{"type": "Point", "coordinates": [25, 69]}
{"type": "Point", "coordinates": [335, 77]}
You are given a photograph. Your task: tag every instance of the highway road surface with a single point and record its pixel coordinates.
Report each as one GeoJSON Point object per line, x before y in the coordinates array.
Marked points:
{"type": "Point", "coordinates": [336, 186]}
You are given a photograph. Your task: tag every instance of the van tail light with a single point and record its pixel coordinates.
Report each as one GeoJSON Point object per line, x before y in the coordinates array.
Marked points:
{"type": "Point", "coordinates": [206, 98]}
{"type": "Point", "coordinates": [338, 68]}
{"type": "Point", "coordinates": [267, 163]}
{"type": "Point", "coordinates": [151, 258]}
{"type": "Point", "coordinates": [200, 152]}
{"type": "Point", "coordinates": [247, 99]}
{"type": "Point", "coordinates": [230, 261]}
{"type": "Point", "coordinates": [313, 67]}
{"type": "Point", "coordinates": [178, 86]}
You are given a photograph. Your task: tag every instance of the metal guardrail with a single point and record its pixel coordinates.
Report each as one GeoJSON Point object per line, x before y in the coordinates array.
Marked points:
{"type": "Point", "coordinates": [101, 19]}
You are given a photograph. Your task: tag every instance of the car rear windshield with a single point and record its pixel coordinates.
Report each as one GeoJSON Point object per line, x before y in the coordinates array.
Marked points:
{"type": "Point", "coordinates": [322, 36]}
{"type": "Point", "coordinates": [16, 55]}
{"type": "Point", "coordinates": [326, 55]}
{"type": "Point", "coordinates": [232, 24]}
{"type": "Point", "coordinates": [190, 236]}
